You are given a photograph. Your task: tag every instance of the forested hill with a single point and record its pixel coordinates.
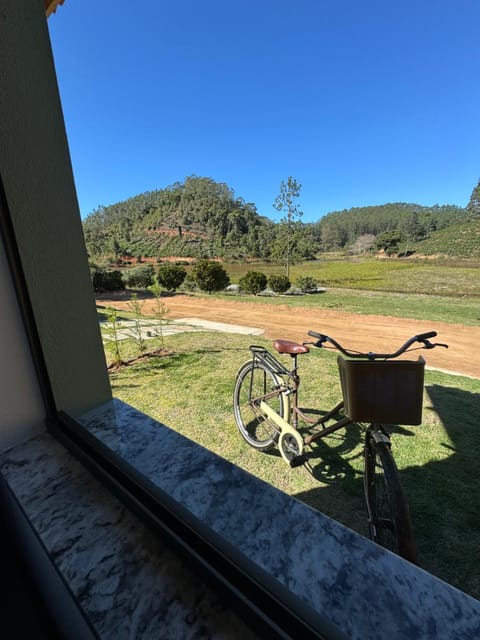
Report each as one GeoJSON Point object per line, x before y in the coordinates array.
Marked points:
{"type": "Point", "coordinates": [201, 217]}
{"type": "Point", "coordinates": [412, 222]}
{"type": "Point", "coordinates": [196, 217]}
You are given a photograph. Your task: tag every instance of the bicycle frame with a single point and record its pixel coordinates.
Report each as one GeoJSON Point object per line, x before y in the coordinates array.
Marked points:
{"type": "Point", "coordinates": [288, 426]}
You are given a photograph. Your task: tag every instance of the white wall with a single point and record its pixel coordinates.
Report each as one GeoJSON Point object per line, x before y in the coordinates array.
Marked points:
{"type": "Point", "coordinates": [21, 405]}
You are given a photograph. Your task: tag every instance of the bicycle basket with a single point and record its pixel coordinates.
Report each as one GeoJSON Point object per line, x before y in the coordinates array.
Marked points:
{"type": "Point", "coordinates": [388, 391]}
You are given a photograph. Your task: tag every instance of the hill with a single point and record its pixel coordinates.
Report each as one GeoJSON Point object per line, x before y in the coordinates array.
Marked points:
{"type": "Point", "coordinates": [413, 222]}
{"type": "Point", "coordinates": [203, 218]}
{"type": "Point", "coordinates": [198, 217]}
{"type": "Point", "coordinates": [458, 240]}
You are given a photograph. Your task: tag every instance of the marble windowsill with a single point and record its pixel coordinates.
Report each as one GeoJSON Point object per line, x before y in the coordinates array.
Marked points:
{"type": "Point", "coordinates": [128, 582]}
{"type": "Point", "coordinates": [364, 590]}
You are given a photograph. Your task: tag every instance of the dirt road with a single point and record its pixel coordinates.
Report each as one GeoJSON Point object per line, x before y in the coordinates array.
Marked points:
{"type": "Point", "coordinates": [373, 333]}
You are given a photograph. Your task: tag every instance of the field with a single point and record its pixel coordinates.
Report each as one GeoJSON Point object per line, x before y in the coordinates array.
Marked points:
{"type": "Point", "coordinates": [430, 277]}
{"type": "Point", "coordinates": [191, 391]}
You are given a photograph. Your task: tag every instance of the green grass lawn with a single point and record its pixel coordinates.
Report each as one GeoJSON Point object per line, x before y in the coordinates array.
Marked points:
{"type": "Point", "coordinates": [451, 278]}
{"type": "Point", "coordinates": [190, 390]}
{"type": "Point", "coordinates": [447, 291]}
{"type": "Point", "coordinates": [464, 310]}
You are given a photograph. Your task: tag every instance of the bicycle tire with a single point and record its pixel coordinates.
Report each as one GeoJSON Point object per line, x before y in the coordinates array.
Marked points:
{"type": "Point", "coordinates": [254, 380]}
{"type": "Point", "coordinates": [388, 512]}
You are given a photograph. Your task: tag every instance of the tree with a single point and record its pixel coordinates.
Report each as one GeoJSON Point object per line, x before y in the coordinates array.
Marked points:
{"type": "Point", "coordinates": [105, 280]}
{"type": "Point", "coordinates": [141, 277]}
{"type": "Point", "coordinates": [285, 203]}
{"type": "Point", "coordinates": [473, 206]}
{"type": "Point", "coordinates": [210, 276]}
{"type": "Point", "coordinates": [412, 227]}
{"type": "Point", "coordinates": [171, 276]}
{"type": "Point", "coordinates": [389, 241]}
{"type": "Point", "coordinates": [253, 282]}
{"type": "Point", "coordinates": [363, 243]}
{"type": "Point", "coordinates": [279, 284]}
{"type": "Point", "coordinates": [307, 284]}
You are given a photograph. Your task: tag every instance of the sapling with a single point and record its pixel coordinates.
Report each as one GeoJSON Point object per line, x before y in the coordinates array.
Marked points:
{"type": "Point", "coordinates": [136, 306]}
{"type": "Point", "coordinates": [112, 332]}
{"type": "Point", "coordinates": [160, 308]}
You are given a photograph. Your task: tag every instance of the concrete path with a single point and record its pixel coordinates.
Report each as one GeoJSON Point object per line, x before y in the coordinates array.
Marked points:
{"type": "Point", "coordinates": [150, 328]}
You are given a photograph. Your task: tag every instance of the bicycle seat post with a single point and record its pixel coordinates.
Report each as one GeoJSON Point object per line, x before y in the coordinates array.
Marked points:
{"type": "Point", "coordinates": [293, 349]}
{"type": "Point", "coordinates": [296, 383]}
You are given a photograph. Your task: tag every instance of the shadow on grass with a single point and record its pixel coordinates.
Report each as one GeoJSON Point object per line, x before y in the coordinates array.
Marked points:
{"type": "Point", "coordinates": [140, 294]}
{"type": "Point", "coordinates": [443, 495]}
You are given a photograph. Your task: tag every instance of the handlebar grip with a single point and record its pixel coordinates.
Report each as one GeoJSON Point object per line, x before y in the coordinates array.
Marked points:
{"type": "Point", "coordinates": [314, 334]}
{"type": "Point", "coordinates": [426, 336]}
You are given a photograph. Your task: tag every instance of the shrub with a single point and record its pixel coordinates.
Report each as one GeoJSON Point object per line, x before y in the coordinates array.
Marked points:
{"type": "Point", "coordinates": [253, 282]}
{"type": "Point", "coordinates": [189, 284]}
{"type": "Point", "coordinates": [279, 284]}
{"type": "Point", "coordinates": [171, 276]}
{"type": "Point", "coordinates": [389, 241]}
{"type": "Point", "coordinates": [210, 276]}
{"type": "Point", "coordinates": [141, 277]}
{"type": "Point", "coordinates": [307, 284]}
{"type": "Point", "coordinates": [106, 280]}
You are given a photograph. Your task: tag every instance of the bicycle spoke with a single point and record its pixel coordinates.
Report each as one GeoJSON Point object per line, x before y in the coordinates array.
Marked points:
{"type": "Point", "coordinates": [256, 383]}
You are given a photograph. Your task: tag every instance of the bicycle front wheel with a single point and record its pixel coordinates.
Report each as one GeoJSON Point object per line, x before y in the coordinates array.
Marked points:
{"type": "Point", "coordinates": [388, 512]}
{"type": "Point", "coordinates": [255, 383]}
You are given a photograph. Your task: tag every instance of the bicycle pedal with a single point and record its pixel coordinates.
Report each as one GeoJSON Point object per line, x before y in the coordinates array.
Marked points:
{"type": "Point", "coordinates": [298, 461]}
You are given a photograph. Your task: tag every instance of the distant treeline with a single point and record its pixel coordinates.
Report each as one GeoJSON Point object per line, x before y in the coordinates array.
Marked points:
{"type": "Point", "coordinates": [203, 218]}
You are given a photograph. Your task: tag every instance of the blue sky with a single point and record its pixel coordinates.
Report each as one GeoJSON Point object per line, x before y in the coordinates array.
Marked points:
{"type": "Point", "coordinates": [361, 102]}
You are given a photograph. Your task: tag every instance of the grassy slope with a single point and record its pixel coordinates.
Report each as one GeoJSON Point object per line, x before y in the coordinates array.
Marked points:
{"type": "Point", "coordinates": [460, 240]}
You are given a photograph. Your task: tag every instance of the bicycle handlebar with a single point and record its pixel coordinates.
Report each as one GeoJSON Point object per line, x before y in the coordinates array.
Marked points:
{"type": "Point", "coordinates": [421, 337]}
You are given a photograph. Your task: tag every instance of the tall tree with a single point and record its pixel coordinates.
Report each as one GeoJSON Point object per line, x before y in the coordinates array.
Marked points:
{"type": "Point", "coordinates": [473, 206]}
{"type": "Point", "coordinates": [289, 223]}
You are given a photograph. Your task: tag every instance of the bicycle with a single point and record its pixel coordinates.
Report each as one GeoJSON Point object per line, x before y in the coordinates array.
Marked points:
{"type": "Point", "coordinates": [377, 390]}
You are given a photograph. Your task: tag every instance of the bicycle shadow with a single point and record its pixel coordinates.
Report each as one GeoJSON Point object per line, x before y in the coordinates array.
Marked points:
{"type": "Point", "coordinates": [328, 458]}
{"type": "Point", "coordinates": [443, 493]}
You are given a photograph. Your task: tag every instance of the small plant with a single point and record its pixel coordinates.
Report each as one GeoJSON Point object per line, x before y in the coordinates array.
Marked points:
{"type": "Point", "coordinates": [136, 306]}
{"type": "Point", "coordinates": [112, 331]}
{"type": "Point", "coordinates": [160, 309]}
{"type": "Point", "coordinates": [279, 284]}
{"type": "Point", "coordinates": [253, 282]}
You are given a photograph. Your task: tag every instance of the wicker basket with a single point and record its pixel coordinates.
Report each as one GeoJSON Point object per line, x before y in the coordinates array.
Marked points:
{"type": "Point", "coordinates": [386, 391]}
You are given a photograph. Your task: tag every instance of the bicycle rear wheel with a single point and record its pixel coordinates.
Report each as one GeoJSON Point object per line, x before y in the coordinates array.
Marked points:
{"type": "Point", "coordinates": [254, 383]}
{"type": "Point", "coordinates": [388, 512]}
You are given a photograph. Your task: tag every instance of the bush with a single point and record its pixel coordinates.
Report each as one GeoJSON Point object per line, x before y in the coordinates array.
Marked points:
{"type": "Point", "coordinates": [253, 282]}
{"type": "Point", "coordinates": [210, 276]}
{"type": "Point", "coordinates": [307, 284]}
{"type": "Point", "coordinates": [171, 276]}
{"type": "Point", "coordinates": [106, 280]}
{"type": "Point", "coordinates": [389, 241]}
{"type": "Point", "coordinates": [189, 284]}
{"type": "Point", "coordinates": [140, 277]}
{"type": "Point", "coordinates": [279, 284]}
